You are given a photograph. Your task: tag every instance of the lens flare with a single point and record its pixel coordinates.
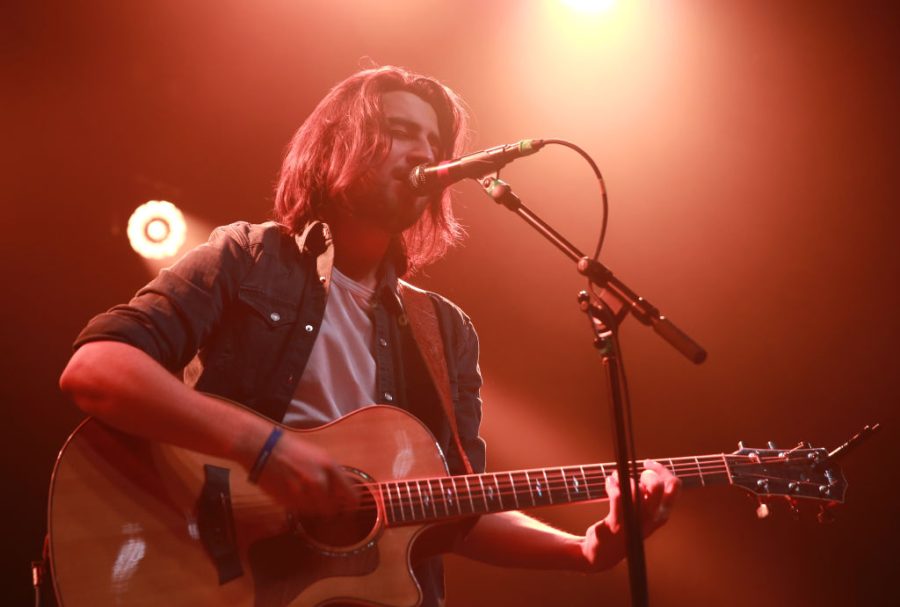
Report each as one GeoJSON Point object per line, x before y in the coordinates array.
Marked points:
{"type": "Point", "coordinates": [590, 7]}
{"type": "Point", "coordinates": [156, 229]}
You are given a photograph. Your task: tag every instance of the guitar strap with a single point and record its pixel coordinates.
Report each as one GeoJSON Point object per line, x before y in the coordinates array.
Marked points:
{"type": "Point", "coordinates": [426, 333]}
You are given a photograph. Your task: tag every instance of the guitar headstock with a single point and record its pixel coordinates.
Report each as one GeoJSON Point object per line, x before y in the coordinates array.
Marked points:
{"type": "Point", "coordinates": [801, 473]}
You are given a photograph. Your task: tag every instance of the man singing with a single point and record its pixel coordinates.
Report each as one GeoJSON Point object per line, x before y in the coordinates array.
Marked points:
{"type": "Point", "coordinates": [304, 319]}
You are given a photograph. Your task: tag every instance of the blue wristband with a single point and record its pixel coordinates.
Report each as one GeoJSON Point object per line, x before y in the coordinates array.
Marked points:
{"type": "Point", "coordinates": [264, 454]}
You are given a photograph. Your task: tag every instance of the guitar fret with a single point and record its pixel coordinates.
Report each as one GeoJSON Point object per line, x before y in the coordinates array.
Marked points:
{"type": "Point", "coordinates": [454, 492]}
{"type": "Point", "coordinates": [603, 476]}
{"type": "Point", "coordinates": [700, 472]}
{"type": "Point", "coordinates": [512, 485]}
{"type": "Point", "coordinates": [672, 467]}
{"type": "Point", "coordinates": [412, 511]}
{"type": "Point", "coordinates": [727, 469]}
{"type": "Point", "coordinates": [547, 486]}
{"type": "Point", "coordinates": [388, 501]}
{"type": "Point", "coordinates": [587, 485]}
{"type": "Point", "coordinates": [528, 482]}
{"type": "Point", "coordinates": [499, 492]}
{"type": "Point", "coordinates": [556, 486]}
{"type": "Point", "coordinates": [505, 490]}
{"type": "Point", "coordinates": [433, 501]}
{"type": "Point", "coordinates": [469, 491]}
{"type": "Point", "coordinates": [484, 495]}
{"type": "Point", "coordinates": [421, 500]}
{"type": "Point", "coordinates": [491, 496]}
{"type": "Point", "coordinates": [596, 477]}
{"type": "Point", "coordinates": [446, 508]}
{"type": "Point", "coordinates": [400, 499]}
{"type": "Point", "coordinates": [565, 484]}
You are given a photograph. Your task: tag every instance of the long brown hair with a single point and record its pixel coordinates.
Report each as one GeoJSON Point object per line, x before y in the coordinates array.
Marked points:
{"type": "Point", "coordinates": [345, 136]}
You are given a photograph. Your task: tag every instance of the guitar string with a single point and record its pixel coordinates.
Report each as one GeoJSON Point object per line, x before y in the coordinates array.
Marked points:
{"type": "Point", "coordinates": [416, 504]}
{"type": "Point", "coordinates": [416, 507]}
{"type": "Point", "coordinates": [687, 467]}
{"type": "Point", "coordinates": [556, 489]}
{"type": "Point", "coordinates": [689, 470]}
{"type": "Point", "coordinates": [394, 514]}
{"type": "Point", "coordinates": [559, 477]}
{"type": "Point", "coordinates": [593, 475]}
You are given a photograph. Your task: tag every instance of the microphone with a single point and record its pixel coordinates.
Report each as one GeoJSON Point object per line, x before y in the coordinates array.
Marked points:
{"type": "Point", "coordinates": [429, 178]}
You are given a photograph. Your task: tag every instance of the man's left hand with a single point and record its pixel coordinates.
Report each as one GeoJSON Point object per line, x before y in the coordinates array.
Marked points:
{"type": "Point", "coordinates": [604, 543]}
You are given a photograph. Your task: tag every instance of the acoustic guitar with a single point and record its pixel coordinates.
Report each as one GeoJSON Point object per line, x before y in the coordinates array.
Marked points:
{"type": "Point", "coordinates": [134, 523]}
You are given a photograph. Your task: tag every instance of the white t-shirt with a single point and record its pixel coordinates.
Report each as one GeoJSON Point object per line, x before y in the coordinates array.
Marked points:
{"type": "Point", "coordinates": [340, 375]}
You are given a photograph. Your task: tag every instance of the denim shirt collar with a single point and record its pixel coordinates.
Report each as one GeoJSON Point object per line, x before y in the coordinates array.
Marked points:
{"type": "Point", "coordinates": [317, 241]}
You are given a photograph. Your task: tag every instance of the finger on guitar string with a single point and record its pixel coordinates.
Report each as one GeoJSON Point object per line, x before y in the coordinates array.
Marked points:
{"type": "Point", "coordinates": [661, 487]}
{"type": "Point", "coordinates": [651, 497]}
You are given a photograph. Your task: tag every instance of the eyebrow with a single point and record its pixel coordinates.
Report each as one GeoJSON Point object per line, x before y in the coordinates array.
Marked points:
{"type": "Point", "coordinates": [433, 138]}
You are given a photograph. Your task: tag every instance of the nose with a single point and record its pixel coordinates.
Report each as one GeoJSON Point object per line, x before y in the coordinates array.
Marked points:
{"type": "Point", "coordinates": [421, 152]}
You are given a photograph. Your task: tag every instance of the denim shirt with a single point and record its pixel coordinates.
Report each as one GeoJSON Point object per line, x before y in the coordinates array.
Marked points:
{"type": "Point", "coordinates": [238, 316]}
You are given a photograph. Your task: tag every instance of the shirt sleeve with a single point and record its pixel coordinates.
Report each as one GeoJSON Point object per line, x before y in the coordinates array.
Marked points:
{"type": "Point", "coordinates": [171, 317]}
{"type": "Point", "coordinates": [464, 346]}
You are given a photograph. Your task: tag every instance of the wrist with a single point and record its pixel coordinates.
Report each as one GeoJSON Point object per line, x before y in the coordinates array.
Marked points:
{"type": "Point", "coordinates": [247, 435]}
{"type": "Point", "coordinates": [602, 548]}
{"type": "Point", "coordinates": [263, 456]}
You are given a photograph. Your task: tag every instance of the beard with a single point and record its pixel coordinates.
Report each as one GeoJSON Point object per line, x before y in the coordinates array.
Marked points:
{"type": "Point", "coordinates": [389, 205]}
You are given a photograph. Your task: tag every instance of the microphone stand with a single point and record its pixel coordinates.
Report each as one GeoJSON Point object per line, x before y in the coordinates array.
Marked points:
{"type": "Point", "coordinates": [616, 300]}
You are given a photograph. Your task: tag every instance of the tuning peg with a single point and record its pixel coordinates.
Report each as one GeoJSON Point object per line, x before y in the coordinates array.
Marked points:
{"type": "Point", "coordinates": [762, 510]}
{"type": "Point", "coordinates": [740, 444]}
{"type": "Point", "coordinates": [772, 445]}
{"type": "Point", "coordinates": [825, 515]}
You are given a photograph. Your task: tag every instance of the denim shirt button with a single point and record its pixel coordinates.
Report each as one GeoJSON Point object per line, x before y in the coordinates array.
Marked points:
{"type": "Point", "coordinates": [309, 328]}
{"type": "Point", "coordinates": [388, 397]}
{"type": "Point", "coordinates": [275, 316]}
{"type": "Point", "coordinates": [382, 342]}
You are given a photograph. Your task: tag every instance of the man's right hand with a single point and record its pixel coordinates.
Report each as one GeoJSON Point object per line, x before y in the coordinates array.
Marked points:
{"type": "Point", "coordinates": [305, 479]}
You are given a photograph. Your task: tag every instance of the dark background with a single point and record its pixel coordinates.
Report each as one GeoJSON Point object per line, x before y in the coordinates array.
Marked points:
{"type": "Point", "coordinates": [750, 150]}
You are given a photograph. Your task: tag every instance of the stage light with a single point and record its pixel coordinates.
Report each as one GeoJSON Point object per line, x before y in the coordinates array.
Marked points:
{"type": "Point", "coordinates": [592, 7]}
{"type": "Point", "coordinates": [156, 229]}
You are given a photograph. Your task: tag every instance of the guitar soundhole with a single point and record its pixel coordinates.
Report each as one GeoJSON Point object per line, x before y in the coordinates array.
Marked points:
{"type": "Point", "coordinates": [347, 529]}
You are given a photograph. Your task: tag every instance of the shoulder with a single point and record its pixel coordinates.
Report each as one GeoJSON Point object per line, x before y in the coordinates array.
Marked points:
{"type": "Point", "coordinates": [252, 237]}
{"type": "Point", "coordinates": [450, 315]}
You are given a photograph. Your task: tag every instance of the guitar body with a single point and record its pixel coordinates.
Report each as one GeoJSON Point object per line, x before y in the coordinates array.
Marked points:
{"type": "Point", "coordinates": [134, 523]}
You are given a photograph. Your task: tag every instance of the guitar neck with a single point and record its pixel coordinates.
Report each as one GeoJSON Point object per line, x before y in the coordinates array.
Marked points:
{"type": "Point", "coordinates": [427, 500]}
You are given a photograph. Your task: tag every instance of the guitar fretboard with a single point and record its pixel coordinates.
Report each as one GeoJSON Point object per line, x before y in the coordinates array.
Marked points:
{"type": "Point", "coordinates": [424, 500]}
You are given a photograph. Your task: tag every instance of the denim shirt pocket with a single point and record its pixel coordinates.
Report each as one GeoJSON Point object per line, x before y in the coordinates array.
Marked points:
{"type": "Point", "coordinates": [274, 312]}
{"type": "Point", "coordinates": [262, 333]}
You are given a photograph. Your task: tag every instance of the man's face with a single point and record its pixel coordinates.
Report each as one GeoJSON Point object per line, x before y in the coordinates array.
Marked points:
{"type": "Point", "coordinates": [386, 201]}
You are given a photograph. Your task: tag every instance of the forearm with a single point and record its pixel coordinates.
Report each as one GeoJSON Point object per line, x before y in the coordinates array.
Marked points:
{"type": "Point", "coordinates": [513, 539]}
{"type": "Point", "coordinates": [127, 389]}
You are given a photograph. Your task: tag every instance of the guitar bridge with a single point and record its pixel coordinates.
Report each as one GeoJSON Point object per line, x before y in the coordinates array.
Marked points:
{"type": "Point", "coordinates": [215, 522]}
